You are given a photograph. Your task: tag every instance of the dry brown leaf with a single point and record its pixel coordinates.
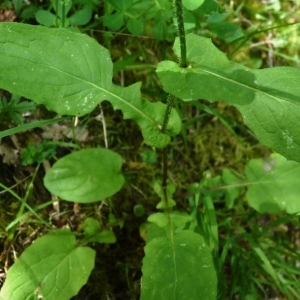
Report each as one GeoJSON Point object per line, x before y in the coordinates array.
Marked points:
{"type": "Point", "coordinates": [10, 155]}
{"type": "Point", "coordinates": [7, 15]}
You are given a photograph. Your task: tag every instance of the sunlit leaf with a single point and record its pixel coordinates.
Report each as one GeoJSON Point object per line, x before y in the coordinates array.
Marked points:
{"type": "Point", "coordinates": [52, 268]}
{"type": "Point", "coordinates": [71, 74]}
{"type": "Point", "coordinates": [86, 176]}
{"type": "Point", "coordinates": [273, 185]}
{"type": "Point", "coordinates": [178, 268]}
{"type": "Point", "coordinates": [268, 99]}
{"type": "Point", "coordinates": [192, 4]}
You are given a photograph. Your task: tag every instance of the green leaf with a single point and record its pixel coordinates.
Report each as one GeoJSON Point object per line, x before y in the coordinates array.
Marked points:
{"type": "Point", "coordinates": [232, 189]}
{"type": "Point", "coordinates": [273, 185]}
{"type": "Point", "coordinates": [153, 231]}
{"type": "Point", "coordinates": [170, 190]}
{"type": "Point", "coordinates": [208, 7]}
{"type": "Point", "coordinates": [81, 17]}
{"type": "Point", "coordinates": [36, 154]}
{"type": "Point", "coordinates": [52, 268]}
{"type": "Point", "coordinates": [192, 4]}
{"type": "Point", "coordinates": [179, 219]}
{"type": "Point", "coordinates": [177, 269]}
{"type": "Point", "coordinates": [136, 27]}
{"type": "Point", "coordinates": [13, 109]}
{"type": "Point", "coordinates": [28, 126]}
{"type": "Point", "coordinates": [94, 233]}
{"type": "Point", "coordinates": [114, 21]}
{"type": "Point", "coordinates": [71, 74]}
{"type": "Point", "coordinates": [45, 17]}
{"type": "Point", "coordinates": [17, 5]}
{"type": "Point", "coordinates": [149, 156]}
{"type": "Point", "coordinates": [122, 5]}
{"type": "Point", "coordinates": [62, 8]}
{"type": "Point", "coordinates": [86, 176]}
{"type": "Point", "coordinates": [268, 99]}
{"type": "Point", "coordinates": [228, 32]}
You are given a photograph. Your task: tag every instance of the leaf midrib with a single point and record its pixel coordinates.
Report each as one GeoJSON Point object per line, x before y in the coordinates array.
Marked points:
{"type": "Point", "coordinates": [88, 83]}
{"type": "Point", "coordinates": [255, 90]}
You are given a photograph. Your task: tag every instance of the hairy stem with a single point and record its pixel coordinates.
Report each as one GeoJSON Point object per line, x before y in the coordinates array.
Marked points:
{"type": "Point", "coordinates": [171, 98]}
{"type": "Point", "coordinates": [181, 32]}
{"type": "Point", "coordinates": [170, 104]}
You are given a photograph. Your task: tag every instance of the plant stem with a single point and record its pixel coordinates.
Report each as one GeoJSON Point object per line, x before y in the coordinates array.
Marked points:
{"type": "Point", "coordinates": [63, 14]}
{"type": "Point", "coordinates": [170, 104]}
{"type": "Point", "coordinates": [181, 32]}
{"type": "Point", "coordinates": [171, 98]}
{"type": "Point", "coordinates": [56, 13]}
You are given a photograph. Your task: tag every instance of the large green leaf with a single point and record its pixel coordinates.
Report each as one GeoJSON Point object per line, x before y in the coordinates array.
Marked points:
{"type": "Point", "coordinates": [86, 176]}
{"type": "Point", "coordinates": [273, 185]}
{"type": "Point", "coordinates": [52, 268]}
{"type": "Point", "coordinates": [178, 268]}
{"type": "Point", "coordinates": [268, 99]}
{"type": "Point", "coordinates": [71, 74]}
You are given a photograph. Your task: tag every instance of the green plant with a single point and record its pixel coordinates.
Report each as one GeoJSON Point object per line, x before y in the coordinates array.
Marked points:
{"type": "Point", "coordinates": [12, 110]}
{"type": "Point", "coordinates": [135, 15]}
{"type": "Point", "coordinates": [181, 255]}
{"type": "Point", "coordinates": [60, 18]}
{"type": "Point", "coordinates": [36, 154]}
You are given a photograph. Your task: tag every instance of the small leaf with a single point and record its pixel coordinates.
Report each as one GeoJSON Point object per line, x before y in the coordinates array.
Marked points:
{"type": "Point", "coordinates": [81, 17]}
{"type": "Point", "coordinates": [178, 269]}
{"type": "Point", "coordinates": [273, 185]}
{"type": "Point", "coordinates": [179, 219]}
{"type": "Point", "coordinates": [122, 5]}
{"type": "Point", "coordinates": [52, 268]}
{"type": "Point", "coordinates": [208, 7]}
{"type": "Point", "coordinates": [71, 74]}
{"type": "Point", "coordinates": [136, 27]}
{"type": "Point", "coordinates": [149, 156]}
{"type": "Point", "coordinates": [94, 233]}
{"type": "Point", "coordinates": [232, 190]}
{"type": "Point", "coordinates": [160, 192]}
{"type": "Point", "coordinates": [45, 17]}
{"type": "Point", "coordinates": [192, 4]}
{"type": "Point", "coordinates": [226, 31]}
{"type": "Point", "coordinates": [36, 154]}
{"type": "Point", "coordinates": [114, 21]}
{"type": "Point", "coordinates": [268, 99]}
{"type": "Point", "coordinates": [86, 176]}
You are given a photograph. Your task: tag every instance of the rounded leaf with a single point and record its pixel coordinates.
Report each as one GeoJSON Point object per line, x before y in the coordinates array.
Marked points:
{"type": "Point", "coordinates": [82, 16]}
{"type": "Point", "coordinates": [86, 176]}
{"type": "Point", "coordinates": [45, 17]}
{"type": "Point", "coordinates": [273, 185]}
{"type": "Point", "coordinates": [136, 26]}
{"type": "Point", "coordinates": [179, 268]}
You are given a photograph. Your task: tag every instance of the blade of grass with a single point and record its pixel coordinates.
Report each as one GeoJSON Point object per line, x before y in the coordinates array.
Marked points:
{"type": "Point", "coordinates": [25, 127]}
